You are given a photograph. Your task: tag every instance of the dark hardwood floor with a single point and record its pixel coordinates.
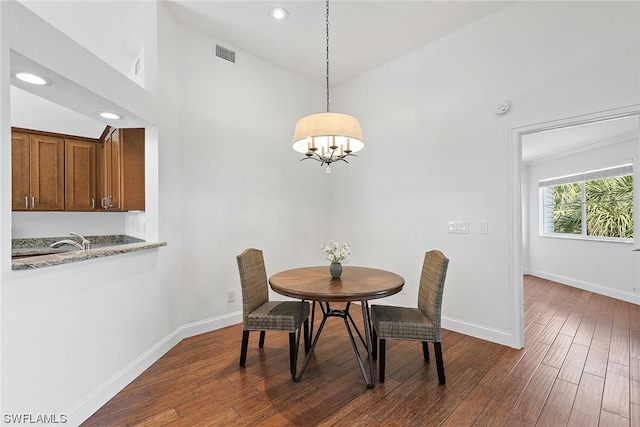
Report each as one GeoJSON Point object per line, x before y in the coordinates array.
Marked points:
{"type": "Point", "coordinates": [580, 367]}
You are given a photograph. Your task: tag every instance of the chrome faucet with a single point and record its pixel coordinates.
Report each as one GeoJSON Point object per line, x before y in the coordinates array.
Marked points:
{"type": "Point", "coordinates": [85, 242]}
{"type": "Point", "coordinates": [81, 247]}
{"type": "Point", "coordinates": [67, 242]}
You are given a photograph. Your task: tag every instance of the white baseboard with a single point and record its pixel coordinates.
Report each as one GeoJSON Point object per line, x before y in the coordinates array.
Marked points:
{"type": "Point", "coordinates": [86, 407]}
{"type": "Point", "coordinates": [479, 331]}
{"type": "Point", "coordinates": [211, 324]}
{"type": "Point", "coordinates": [475, 330]}
{"type": "Point", "coordinates": [585, 286]}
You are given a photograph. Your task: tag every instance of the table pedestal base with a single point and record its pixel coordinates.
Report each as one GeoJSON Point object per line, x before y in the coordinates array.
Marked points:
{"type": "Point", "coordinates": [327, 312]}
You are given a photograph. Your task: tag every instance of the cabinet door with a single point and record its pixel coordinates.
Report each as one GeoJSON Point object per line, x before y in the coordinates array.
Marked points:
{"type": "Point", "coordinates": [105, 171]}
{"type": "Point", "coordinates": [132, 170]}
{"type": "Point", "coordinates": [115, 199]}
{"type": "Point", "coordinates": [47, 173]}
{"type": "Point", "coordinates": [80, 175]}
{"type": "Point", "coordinates": [122, 170]}
{"type": "Point", "coordinates": [111, 190]}
{"type": "Point", "coordinates": [20, 196]}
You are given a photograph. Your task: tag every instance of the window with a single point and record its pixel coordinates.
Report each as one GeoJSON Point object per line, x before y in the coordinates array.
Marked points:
{"type": "Point", "coordinates": [594, 204]}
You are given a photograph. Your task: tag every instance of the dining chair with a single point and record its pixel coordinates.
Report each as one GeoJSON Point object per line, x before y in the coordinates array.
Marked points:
{"type": "Point", "coordinates": [415, 324]}
{"type": "Point", "coordinates": [260, 314]}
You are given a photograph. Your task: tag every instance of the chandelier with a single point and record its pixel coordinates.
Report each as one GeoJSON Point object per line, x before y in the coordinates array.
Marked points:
{"type": "Point", "coordinates": [328, 137]}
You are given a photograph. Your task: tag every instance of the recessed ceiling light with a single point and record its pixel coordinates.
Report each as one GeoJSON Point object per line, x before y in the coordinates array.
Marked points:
{"type": "Point", "coordinates": [110, 115]}
{"type": "Point", "coordinates": [31, 78]}
{"type": "Point", "coordinates": [279, 13]}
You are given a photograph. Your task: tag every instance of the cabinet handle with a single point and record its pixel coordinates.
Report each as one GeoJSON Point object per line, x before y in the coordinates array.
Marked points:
{"type": "Point", "coordinates": [93, 203]}
{"type": "Point", "coordinates": [33, 203]}
{"type": "Point", "coordinates": [26, 202]}
{"type": "Point", "coordinates": [103, 203]}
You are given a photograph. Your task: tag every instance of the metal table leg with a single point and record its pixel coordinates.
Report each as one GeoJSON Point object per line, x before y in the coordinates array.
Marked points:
{"type": "Point", "coordinates": [367, 334]}
{"type": "Point", "coordinates": [344, 314]}
{"type": "Point", "coordinates": [325, 315]}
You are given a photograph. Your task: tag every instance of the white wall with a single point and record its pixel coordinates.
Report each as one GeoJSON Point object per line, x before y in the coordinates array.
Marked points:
{"type": "Point", "coordinates": [603, 267]}
{"type": "Point", "coordinates": [30, 111]}
{"type": "Point", "coordinates": [57, 224]}
{"type": "Point", "coordinates": [436, 152]}
{"type": "Point", "coordinates": [241, 183]}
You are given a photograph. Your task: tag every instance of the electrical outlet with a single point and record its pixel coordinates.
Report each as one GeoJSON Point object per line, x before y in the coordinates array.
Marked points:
{"type": "Point", "coordinates": [231, 296]}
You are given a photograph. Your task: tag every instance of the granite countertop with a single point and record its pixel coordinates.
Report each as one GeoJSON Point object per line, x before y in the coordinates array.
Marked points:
{"type": "Point", "coordinates": [28, 254]}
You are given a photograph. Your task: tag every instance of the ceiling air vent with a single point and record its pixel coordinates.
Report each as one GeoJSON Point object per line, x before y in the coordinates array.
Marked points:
{"type": "Point", "coordinates": [226, 54]}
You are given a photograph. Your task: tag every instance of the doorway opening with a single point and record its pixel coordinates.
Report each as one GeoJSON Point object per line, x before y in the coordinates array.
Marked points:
{"type": "Point", "coordinates": [559, 148]}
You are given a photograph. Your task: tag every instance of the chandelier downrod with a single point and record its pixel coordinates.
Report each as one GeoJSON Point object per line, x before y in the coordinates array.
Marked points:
{"type": "Point", "coordinates": [327, 27]}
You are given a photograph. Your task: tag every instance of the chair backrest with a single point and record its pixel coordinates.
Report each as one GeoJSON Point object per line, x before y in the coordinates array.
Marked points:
{"type": "Point", "coordinates": [434, 271]}
{"type": "Point", "coordinates": [253, 280]}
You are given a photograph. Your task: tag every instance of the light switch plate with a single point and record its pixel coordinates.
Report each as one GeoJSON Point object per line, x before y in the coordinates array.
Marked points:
{"type": "Point", "coordinates": [484, 227]}
{"type": "Point", "coordinates": [458, 227]}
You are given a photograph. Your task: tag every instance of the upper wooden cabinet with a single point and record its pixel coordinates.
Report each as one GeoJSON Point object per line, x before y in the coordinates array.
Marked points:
{"type": "Point", "coordinates": [20, 186]}
{"type": "Point", "coordinates": [37, 172]}
{"type": "Point", "coordinates": [54, 172]}
{"type": "Point", "coordinates": [122, 170]}
{"type": "Point", "coordinates": [80, 175]}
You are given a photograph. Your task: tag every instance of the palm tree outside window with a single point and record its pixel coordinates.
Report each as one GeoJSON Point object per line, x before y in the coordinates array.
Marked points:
{"type": "Point", "coordinates": [594, 204]}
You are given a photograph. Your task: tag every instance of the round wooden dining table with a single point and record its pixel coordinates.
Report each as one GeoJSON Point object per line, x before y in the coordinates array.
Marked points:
{"type": "Point", "coordinates": [356, 284]}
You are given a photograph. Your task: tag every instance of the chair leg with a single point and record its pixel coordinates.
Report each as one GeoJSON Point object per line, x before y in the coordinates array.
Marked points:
{"type": "Point", "coordinates": [425, 350]}
{"type": "Point", "coordinates": [383, 345]}
{"type": "Point", "coordinates": [243, 348]}
{"type": "Point", "coordinates": [374, 344]}
{"type": "Point", "coordinates": [439, 363]}
{"type": "Point", "coordinates": [292, 352]}
{"type": "Point", "coordinates": [261, 343]}
{"type": "Point", "coordinates": [306, 336]}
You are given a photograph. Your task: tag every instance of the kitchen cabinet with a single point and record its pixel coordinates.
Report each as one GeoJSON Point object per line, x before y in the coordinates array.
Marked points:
{"type": "Point", "coordinates": [54, 172]}
{"type": "Point", "coordinates": [80, 175]}
{"type": "Point", "coordinates": [20, 188]}
{"type": "Point", "coordinates": [37, 171]}
{"type": "Point", "coordinates": [122, 170]}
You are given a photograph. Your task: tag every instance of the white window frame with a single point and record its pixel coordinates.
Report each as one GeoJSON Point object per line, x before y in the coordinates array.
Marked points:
{"type": "Point", "coordinates": [545, 191]}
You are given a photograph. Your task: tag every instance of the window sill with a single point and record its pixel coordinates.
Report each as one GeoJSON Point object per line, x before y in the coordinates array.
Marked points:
{"type": "Point", "coordinates": [587, 238]}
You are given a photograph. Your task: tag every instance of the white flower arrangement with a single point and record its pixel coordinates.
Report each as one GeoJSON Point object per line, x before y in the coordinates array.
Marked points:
{"type": "Point", "coordinates": [336, 252]}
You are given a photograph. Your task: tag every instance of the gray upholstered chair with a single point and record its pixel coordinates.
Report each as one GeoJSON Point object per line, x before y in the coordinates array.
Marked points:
{"type": "Point", "coordinates": [415, 324]}
{"type": "Point", "coordinates": [260, 314]}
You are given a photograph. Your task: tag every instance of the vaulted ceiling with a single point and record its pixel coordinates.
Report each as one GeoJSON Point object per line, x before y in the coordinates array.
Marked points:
{"type": "Point", "coordinates": [363, 35]}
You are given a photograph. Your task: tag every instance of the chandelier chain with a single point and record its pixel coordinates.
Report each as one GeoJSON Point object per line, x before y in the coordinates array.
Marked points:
{"type": "Point", "coordinates": [327, 137]}
{"type": "Point", "coordinates": [327, 26]}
